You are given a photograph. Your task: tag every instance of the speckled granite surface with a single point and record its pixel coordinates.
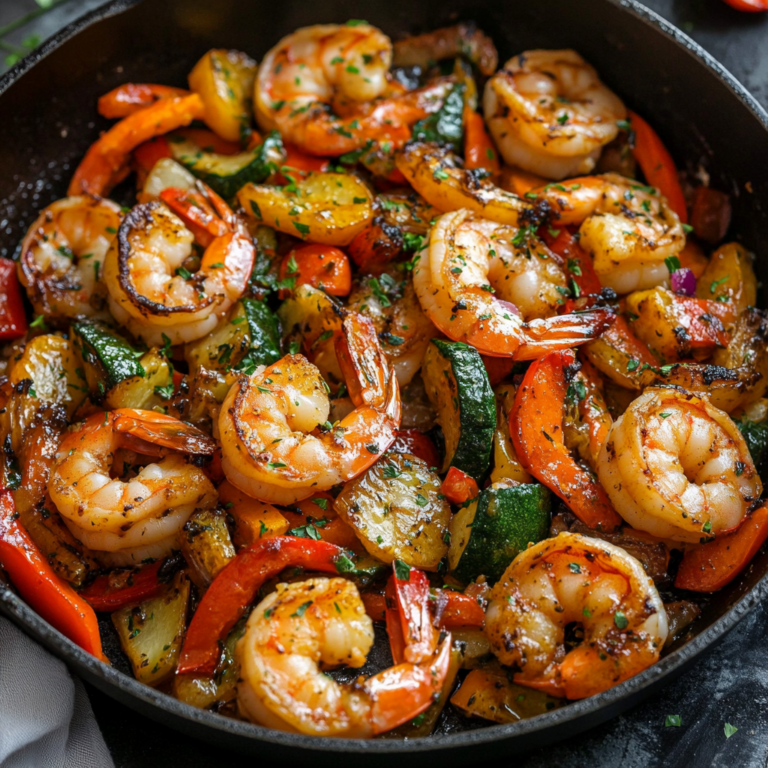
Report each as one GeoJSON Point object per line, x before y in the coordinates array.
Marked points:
{"type": "Point", "coordinates": [728, 686]}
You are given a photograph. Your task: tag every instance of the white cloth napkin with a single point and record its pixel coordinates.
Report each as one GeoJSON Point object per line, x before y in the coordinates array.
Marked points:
{"type": "Point", "coordinates": [46, 720]}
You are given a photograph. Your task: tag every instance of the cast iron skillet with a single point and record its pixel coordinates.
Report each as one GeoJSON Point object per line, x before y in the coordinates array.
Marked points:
{"type": "Point", "coordinates": [48, 107]}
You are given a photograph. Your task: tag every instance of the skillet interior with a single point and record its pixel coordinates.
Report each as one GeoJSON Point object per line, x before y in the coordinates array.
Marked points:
{"type": "Point", "coordinates": [49, 121]}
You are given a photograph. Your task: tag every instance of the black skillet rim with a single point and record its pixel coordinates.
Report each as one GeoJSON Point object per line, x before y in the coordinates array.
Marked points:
{"type": "Point", "coordinates": [19, 612]}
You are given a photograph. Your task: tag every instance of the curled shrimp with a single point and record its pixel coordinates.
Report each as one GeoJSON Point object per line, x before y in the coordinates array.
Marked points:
{"type": "Point", "coordinates": [125, 521]}
{"type": "Point", "coordinates": [151, 291]}
{"type": "Point", "coordinates": [575, 579]}
{"type": "Point", "coordinates": [62, 254]}
{"type": "Point", "coordinates": [628, 228]}
{"type": "Point", "coordinates": [473, 278]}
{"type": "Point", "coordinates": [550, 114]}
{"type": "Point", "coordinates": [326, 67]}
{"type": "Point", "coordinates": [677, 467]}
{"type": "Point", "coordinates": [322, 622]}
{"type": "Point", "coordinates": [277, 445]}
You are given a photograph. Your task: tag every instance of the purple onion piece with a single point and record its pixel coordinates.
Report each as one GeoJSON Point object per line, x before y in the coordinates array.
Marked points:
{"type": "Point", "coordinates": [684, 281]}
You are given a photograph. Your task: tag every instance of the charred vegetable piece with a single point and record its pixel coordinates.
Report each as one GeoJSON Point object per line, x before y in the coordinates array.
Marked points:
{"type": "Point", "coordinates": [457, 385]}
{"type": "Point", "coordinates": [398, 512]}
{"type": "Point", "coordinates": [254, 519]}
{"type": "Point", "coordinates": [489, 532]}
{"type": "Point", "coordinates": [206, 545]}
{"type": "Point", "coordinates": [506, 465]}
{"type": "Point", "coordinates": [106, 356]}
{"type": "Point", "coordinates": [151, 632]}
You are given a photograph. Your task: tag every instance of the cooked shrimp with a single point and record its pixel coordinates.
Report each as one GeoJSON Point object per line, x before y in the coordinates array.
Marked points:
{"type": "Point", "coordinates": [403, 328]}
{"type": "Point", "coordinates": [318, 69]}
{"type": "Point", "coordinates": [322, 621]}
{"type": "Point", "coordinates": [628, 228]}
{"type": "Point", "coordinates": [489, 285]}
{"type": "Point", "coordinates": [151, 291]}
{"type": "Point", "coordinates": [463, 39]}
{"type": "Point", "coordinates": [677, 467]}
{"type": "Point", "coordinates": [277, 444]}
{"type": "Point", "coordinates": [62, 254]}
{"type": "Point", "coordinates": [127, 521]}
{"type": "Point", "coordinates": [574, 579]}
{"type": "Point", "coordinates": [436, 174]}
{"type": "Point", "coordinates": [550, 114]}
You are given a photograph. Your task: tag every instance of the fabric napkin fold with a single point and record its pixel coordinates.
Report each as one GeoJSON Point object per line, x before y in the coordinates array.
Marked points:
{"type": "Point", "coordinates": [46, 720]}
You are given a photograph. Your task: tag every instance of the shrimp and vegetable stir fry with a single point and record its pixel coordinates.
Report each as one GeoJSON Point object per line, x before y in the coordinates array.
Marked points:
{"type": "Point", "coordinates": [381, 335]}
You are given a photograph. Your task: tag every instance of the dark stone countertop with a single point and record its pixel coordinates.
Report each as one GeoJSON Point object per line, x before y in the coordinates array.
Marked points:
{"type": "Point", "coordinates": [728, 686]}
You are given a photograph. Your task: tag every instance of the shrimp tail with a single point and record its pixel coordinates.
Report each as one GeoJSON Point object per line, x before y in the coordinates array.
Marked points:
{"type": "Point", "coordinates": [555, 334]}
{"type": "Point", "coordinates": [151, 429]}
{"type": "Point", "coordinates": [400, 693]}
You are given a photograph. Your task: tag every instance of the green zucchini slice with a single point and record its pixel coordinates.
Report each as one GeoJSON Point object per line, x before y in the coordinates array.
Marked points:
{"type": "Point", "coordinates": [226, 174]}
{"type": "Point", "coordinates": [457, 385]}
{"type": "Point", "coordinates": [491, 530]}
{"type": "Point", "coordinates": [756, 436]}
{"type": "Point", "coordinates": [248, 336]}
{"type": "Point", "coordinates": [107, 357]}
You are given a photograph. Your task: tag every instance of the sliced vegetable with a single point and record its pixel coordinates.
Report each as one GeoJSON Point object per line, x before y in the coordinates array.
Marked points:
{"type": "Point", "coordinates": [536, 427]}
{"type": "Point", "coordinates": [233, 590]}
{"type": "Point", "coordinates": [206, 545]}
{"type": "Point", "coordinates": [224, 79]}
{"type": "Point", "coordinates": [488, 533]}
{"type": "Point", "coordinates": [479, 151]}
{"type": "Point", "coordinates": [749, 6]}
{"type": "Point", "coordinates": [446, 125]}
{"type": "Point", "coordinates": [111, 592]}
{"type": "Point", "coordinates": [756, 436]}
{"type": "Point", "coordinates": [131, 97]}
{"type": "Point", "coordinates": [247, 337]}
{"type": "Point", "coordinates": [253, 519]}
{"type": "Point", "coordinates": [657, 165]}
{"type": "Point", "coordinates": [321, 266]}
{"type": "Point", "coordinates": [13, 318]}
{"type": "Point", "coordinates": [107, 358]}
{"type": "Point", "coordinates": [490, 695]}
{"type": "Point", "coordinates": [227, 174]}
{"type": "Point", "coordinates": [165, 173]}
{"type": "Point", "coordinates": [457, 385]}
{"type": "Point", "coordinates": [578, 262]}
{"type": "Point", "coordinates": [709, 567]}
{"type": "Point", "coordinates": [729, 279]}
{"type": "Point", "coordinates": [50, 364]}
{"type": "Point", "coordinates": [152, 389]}
{"type": "Point", "coordinates": [328, 208]}
{"type": "Point", "coordinates": [151, 633]}
{"type": "Point", "coordinates": [398, 512]}
{"type": "Point", "coordinates": [710, 214]}
{"type": "Point", "coordinates": [52, 598]}
{"type": "Point", "coordinates": [506, 465]}
{"type": "Point", "coordinates": [459, 487]}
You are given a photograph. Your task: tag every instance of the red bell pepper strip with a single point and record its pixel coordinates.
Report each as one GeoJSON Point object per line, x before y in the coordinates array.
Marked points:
{"type": "Point", "coordinates": [536, 429]}
{"type": "Point", "coordinates": [457, 610]}
{"type": "Point", "coordinates": [657, 165]}
{"type": "Point", "coordinates": [479, 151]}
{"type": "Point", "coordinates": [711, 566]}
{"type": "Point", "coordinates": [577, 262]}
{"type": "Point", "coordinates": [417, 444]}
{"type": "Point", "coordinates": [459, 487]}
{"type": "Point", "coordinates": [409, 621]}
{"type": "Point", "coordinates": [51, 597]}
{"type": "Point", "coordinates": [749, 6]}
{"type": "Point", "coordinates": [141, 585]}
{"type": "Point", "coordinates": [131, 97]}
{"type": "Point", "coordinates": [703, 321]}
{"type": "Point", "coordinates": [235, 588]}
{"type": "Point", "coordinates": [298, 164]}
{"type": "Point", "coordinates": [13, 318]}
